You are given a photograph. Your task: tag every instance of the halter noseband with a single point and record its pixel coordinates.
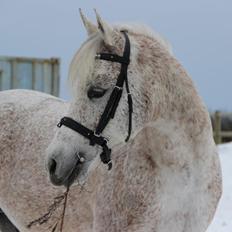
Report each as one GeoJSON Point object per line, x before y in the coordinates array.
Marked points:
{"type": "Point", "coordinates": [111, 106]}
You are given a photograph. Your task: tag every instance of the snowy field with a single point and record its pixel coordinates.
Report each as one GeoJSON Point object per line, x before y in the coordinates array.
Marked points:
{"type": "Point", "coordinates": [223, 218]}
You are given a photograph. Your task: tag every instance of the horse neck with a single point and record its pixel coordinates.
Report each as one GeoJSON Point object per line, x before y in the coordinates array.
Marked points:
{"type": "Point", "coordinates": [167, 86]}
{"type": "Point", "coordinates": [173, 95]}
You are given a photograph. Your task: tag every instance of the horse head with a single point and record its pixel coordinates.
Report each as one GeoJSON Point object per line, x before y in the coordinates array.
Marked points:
{"type": "Point", "coordinates": [94, 75]}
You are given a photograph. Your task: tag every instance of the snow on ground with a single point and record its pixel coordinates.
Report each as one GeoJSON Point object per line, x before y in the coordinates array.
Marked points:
{"type": "Point", "coordinates": [223, 219]}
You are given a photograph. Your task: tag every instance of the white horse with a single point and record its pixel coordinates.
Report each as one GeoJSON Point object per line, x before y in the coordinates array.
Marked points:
{"type": "Point", "coordinates": [166, 178]}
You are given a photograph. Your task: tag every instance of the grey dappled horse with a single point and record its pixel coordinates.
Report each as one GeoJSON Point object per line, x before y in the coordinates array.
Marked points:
{"type": "Point", "coordinates": [167, 177]}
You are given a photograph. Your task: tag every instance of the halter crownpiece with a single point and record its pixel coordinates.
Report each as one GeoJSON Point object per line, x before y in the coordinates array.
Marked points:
{"type": "Point", "coordinates": [111, 106]}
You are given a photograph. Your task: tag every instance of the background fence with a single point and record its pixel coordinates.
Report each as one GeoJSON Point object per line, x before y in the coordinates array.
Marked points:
{"type": "Point", "coordinates": [220, 134]}
{"type": "Point", "coordinates": [30, 73]}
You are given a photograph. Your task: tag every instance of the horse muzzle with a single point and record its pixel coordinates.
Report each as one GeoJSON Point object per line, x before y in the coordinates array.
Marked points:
{"type": "Point", "coordinates": [64, 176]}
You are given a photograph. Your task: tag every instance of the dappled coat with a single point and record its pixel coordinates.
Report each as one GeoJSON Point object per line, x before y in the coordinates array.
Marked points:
{"type": "Point", "coordinates": [166, 178]}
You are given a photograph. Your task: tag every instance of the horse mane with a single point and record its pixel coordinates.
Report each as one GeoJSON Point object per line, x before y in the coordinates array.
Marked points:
{"type": "Point", "coordinates": [145, 30]}
{"type": "Point", "coordinates": [83, 61]}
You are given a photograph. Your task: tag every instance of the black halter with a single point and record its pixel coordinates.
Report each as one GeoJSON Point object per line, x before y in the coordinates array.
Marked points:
{"type": "Point", "coordinates": [111, 106]}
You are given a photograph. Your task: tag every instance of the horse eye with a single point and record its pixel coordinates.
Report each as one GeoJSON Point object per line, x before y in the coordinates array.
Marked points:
{"type": "Point", "coordinates": [95, 92]}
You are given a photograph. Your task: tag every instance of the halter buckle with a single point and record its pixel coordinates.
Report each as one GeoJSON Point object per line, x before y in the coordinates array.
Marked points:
{"type": "Point", "coordinates": [59, 125]}
{"type": "Point", "coordinates": [117, 87]}
{"type": "Point", "coordinates": [110, 164]}
{"type": "Point", "coordinates": [80, 158]}
{"type": "Point", "coordinates": [97, 135]}
{"type": "Point", "coordinates": [100, 135]}
{"type": "Point", "coordinates": [106, 156]}
{"type": "Point", "coordinates": [98, 56]}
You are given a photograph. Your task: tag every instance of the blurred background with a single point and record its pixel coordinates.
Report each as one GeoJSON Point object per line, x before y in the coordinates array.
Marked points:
{"type": "Point", "coordinates": [199, 32]}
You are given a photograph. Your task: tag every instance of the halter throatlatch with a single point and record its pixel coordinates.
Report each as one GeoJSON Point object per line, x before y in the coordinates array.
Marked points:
{"type": "Point", "coordinates": [111, 106]}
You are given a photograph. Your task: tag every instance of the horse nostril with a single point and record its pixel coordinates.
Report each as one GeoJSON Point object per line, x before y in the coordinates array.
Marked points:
{"type": "Point", "coordinates": [52, 166]}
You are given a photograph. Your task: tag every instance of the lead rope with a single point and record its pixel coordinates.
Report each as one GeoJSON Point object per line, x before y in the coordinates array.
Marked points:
{"type": "Point", "coordinates": [64, 209]}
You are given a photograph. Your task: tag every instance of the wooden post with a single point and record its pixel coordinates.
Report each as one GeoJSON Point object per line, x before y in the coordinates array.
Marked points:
{"type": "Point", "coordinates": [14, 80]}
{"type": "Point", "coordinates": [217, 124]}
{"type": "Point", "coordinates": [55, 64]}
{"type": "Point", "coordinates": [33, 64]}
{"type": "Point", "coordinates": [0, 79]}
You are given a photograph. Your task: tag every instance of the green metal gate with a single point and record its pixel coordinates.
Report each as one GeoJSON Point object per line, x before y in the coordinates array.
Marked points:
{"type": "Point", "coordinates": [30, 73]}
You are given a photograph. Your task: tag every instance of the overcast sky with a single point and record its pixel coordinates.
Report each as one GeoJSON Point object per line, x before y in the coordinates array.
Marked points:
{"type": "Point", "coordinates": [200, 32]}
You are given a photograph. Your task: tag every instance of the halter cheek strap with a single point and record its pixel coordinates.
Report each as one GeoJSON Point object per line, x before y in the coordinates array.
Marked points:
{"type": "Point", "coordinates": [116, 94]}
{"type": "Point", "coordinates": [111, 106]}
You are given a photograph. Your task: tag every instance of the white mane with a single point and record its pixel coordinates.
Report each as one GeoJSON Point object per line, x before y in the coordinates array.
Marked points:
{"type": "Point", "coordinates": [147, 31]}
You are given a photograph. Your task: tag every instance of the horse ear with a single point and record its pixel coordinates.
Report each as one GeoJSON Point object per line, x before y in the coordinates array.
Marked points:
{"type": "Point", "coordinates": [105, 29]}
{"type": "Point", "coordinates": [89, 26]}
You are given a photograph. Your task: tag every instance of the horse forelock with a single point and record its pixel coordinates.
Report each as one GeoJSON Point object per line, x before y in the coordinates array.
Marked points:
{"type": "Point", "coordinates": [82, 64]}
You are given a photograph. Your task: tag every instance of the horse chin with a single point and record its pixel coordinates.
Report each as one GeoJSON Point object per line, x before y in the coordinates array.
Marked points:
{"type": "Point", "coordinates": [78, 175]}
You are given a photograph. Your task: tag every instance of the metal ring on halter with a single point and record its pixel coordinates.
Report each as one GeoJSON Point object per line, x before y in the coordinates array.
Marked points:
{"type": "Point", "coordinates": [100, 135]}
{"type": "Point", "coordinates": [110, 164]}
{"type": "Point", "coordinates": [106, 140]}
{"type": "Point", "coordinates": [117, 87]}
{"type": "Point", "coordinates": [81, 159]}
{"type": "Point", "coordinates": [98, 56]}
{"type": "Point", "coordinates": [97, 135]}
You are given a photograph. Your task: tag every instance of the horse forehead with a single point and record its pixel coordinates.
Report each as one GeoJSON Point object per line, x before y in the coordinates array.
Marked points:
{"type": "Point", "coordinates": [84, 59]}
{"type": "Point", "coordinates": [83, 63]}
